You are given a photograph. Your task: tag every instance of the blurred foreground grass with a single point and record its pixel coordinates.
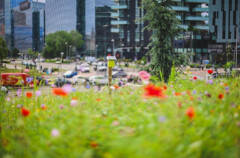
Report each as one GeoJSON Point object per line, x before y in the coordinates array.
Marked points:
{"type": "Point", "coordinates": [92, 124]}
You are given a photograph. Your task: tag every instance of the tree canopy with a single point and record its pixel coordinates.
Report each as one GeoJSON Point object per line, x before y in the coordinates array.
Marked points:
{"type": "Point", "coordinates": [3, 49]}
{"type": "Point", "coordinates": [15, 52]}
{"type": "Point", "coordinates": [163, 23]}
{"type": "Point", "coordinates": [59, 41]}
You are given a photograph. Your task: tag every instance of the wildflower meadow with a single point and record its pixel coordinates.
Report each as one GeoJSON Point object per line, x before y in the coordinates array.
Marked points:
{"type": "Point", "coordinates": [184, 118]}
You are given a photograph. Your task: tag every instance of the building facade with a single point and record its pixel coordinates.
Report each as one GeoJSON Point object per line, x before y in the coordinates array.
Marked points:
{"type": "Point", "coordinates": [82, 15]}
{"type": "Point", "coordinates": [224, 22]}
{"type": "Point", "coordinates": [2, 28]}
{"type": "Point", "coordinates": [103, 30]}
{"type": "Point", "coordinates": [193, 16]}
{"type": "Point", "coordinates": [60, 15]}
{"type": "Point", "coordinates": [129, 39]}
{"type": "Point", "coordinates": [24, 24]}
{"type": "Point", "coordinates": [68, 15]}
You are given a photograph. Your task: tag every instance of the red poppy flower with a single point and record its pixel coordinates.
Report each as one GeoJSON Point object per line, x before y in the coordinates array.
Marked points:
{"type": "Point", "coordinates": [25, 112]}
{"type": "Point", "coordinates": [178, 94]}
{"type": "Point", "coordinates": [94, 144]}
{"type": "Point", "coordinates": [154, 91]}
{"type": "Point", "coordinates": [195, 78]}
{"type": "Point", "coordinates": [98, 99]}
{"type": "Point", "coordinates": [190, 113]}
{"type": "Point", "coordinates": [191, 98]}
{"type": "Point", "coordinates": [74, 98]}
{"type": "Point", "coordinates": [220, 96]}
{"type": "Point", "coordinates": [210, 71]}
{"type": "Point", "coordinates": [116, 86]}
{"type": "Point", "coordinates": [44, 107]}
{"type": "Point", "coordinates": [59, 92]}
{"type": "Point", "coordinates": [179, 104]}
{"type": "Point", "coordinates": [165, 87]}
{"type": "Point", "coordinates": [29, 94]}
{"type": "Point", "coordinates": [188, 93]}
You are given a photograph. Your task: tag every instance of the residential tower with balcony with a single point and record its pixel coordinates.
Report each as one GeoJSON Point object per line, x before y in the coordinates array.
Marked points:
{"type": "Point", "coordinates": [193, 16]}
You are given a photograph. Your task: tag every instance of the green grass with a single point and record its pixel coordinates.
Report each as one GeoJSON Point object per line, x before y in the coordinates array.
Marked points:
{"type": "Point", "coordinates": [126, 124]}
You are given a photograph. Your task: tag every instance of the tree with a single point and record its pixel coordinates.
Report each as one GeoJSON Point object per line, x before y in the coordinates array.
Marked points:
{"type": "Point", "coordinates": [15, 52]}
{"type": "Point", "coordinates": [3, 50]}
{"type": "Point", "coordinates": [229, 53]}
{"type": "Point", "coordinates": [163, 23]}
{"type": "Point", "coordinates": [60, 41]}
{"type": "Point", "coordinates": [33, 55]}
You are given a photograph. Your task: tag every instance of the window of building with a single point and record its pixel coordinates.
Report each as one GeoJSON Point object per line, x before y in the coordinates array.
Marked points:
{"type": "Point", "coordinates": [236, 4]}
{"type": "Point", "coordinates": [234, 17]}
{"type": "Point", "coordinates": [223, 4]}
{"type": "Point", "coordinates": [224, 18]}
{"type": "Point", "coordinates": [230, 4]}
{"type": "Point", "coordinates": [214, 2]}
{"type": "Point", "coordinates": [235, 32]}
{"type": "Point", "coordinates": [223, 32]}
{"type": "Point", "coordinates": [229, 21]}
{"type": "Point", "coordinates": [214, 18]}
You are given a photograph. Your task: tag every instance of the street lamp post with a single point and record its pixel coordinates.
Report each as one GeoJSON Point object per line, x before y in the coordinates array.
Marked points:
{"type": "Point", "coordinates": [39, 61]}
{"type": "Point", "coordinates": [236, 46]}
{"type": "Point", "coordinates": [62, 59]}
{"type": "Point", "coordinates": [96, 51]}
{"type": "Point", "coordinates": [105, 41]}
{"type": "Point", "coordinates": [113, 41]}
{"type": "Point", "coordinates": [70, 47]}
{"type": "Point", "coordinates": [122, 50]}
{"type": "Point", "coordinates": [66, 49]}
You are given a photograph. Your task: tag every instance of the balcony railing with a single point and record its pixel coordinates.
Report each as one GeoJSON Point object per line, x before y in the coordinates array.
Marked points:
{"type": "Point", "coordinates": [184, 26]}
{"type": "Point", "coordinates": [180, 8]}
{"type": "Point", "coordinates": [197, 18]}
{"type": "Point", "coordinates": [200, 9]}
{"type": "Point", "coordinates": [179, 17]}
{"type": "Point", "coordinates": [119, 22]}
{"type": "Point", "coordinates": [119, 7]}
{"type": "Point", "coordinates": [197, 1]}
{"type": "Point", "coordinates": [202, 27]}
{"type": "Point", "coordinates": [114, 15]}
{"type": "Point", "coordinates": [115, 30]}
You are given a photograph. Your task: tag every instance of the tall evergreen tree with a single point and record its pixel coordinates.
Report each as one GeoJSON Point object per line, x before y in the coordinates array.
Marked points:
{"type": "Point", "coordinates": [163, 23]}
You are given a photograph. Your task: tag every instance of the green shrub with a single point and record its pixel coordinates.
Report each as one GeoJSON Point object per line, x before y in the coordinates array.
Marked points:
{"type": "Point", "coordinates": [55, 69]}
{"type": "Point", "coordinates": [208, 66]}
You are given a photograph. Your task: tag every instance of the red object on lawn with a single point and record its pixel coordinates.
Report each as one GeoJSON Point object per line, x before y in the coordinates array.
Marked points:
{"type": "Point", "coordinates": [14, 79]}
{"type": "Point", "coordinates": [210, 71]}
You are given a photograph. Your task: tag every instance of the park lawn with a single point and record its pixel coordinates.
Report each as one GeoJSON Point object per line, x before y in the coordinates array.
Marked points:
{"type": "Point", "coordinates": [196, 119]}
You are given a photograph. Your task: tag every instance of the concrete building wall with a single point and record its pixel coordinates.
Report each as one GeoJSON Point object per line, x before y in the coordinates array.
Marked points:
{"type": "Point", "coordinates": [224, 18]}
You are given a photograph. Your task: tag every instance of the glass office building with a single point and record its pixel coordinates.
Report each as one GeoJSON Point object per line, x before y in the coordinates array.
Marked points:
{"type": "Point", "coordinates": [23, 30]}
{"type": "Point", "coordinates": [60, 15]}
{"type": "Point", "coordinates": [193, 16]}
{"type": "Point", "coordinates": [2, 29]}
{"type": "Point", "coordinates": [224, 22]}
{"type": "Point", "coordinates": [68, 15]}
{"type": "Point", "coordinates": [80, 15]}
{"type": "Point", "coordinates": [130, 39]}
